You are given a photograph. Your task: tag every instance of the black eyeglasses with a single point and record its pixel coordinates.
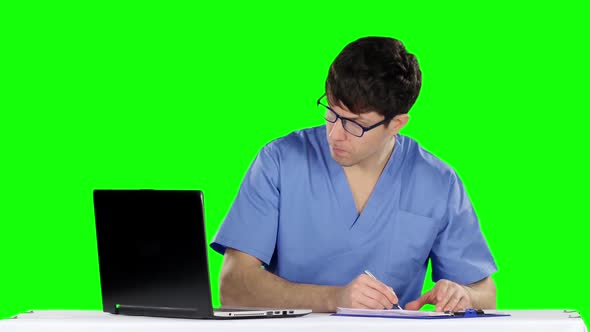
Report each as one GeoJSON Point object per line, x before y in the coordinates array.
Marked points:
{"type": "Point", "coordinates": [349, 125]}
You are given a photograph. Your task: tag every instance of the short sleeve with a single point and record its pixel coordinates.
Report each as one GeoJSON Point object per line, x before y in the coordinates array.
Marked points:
{"type": "Point", "coordinates": [460, 252]}
{"type": "Point", "coordinates": [251, 223]}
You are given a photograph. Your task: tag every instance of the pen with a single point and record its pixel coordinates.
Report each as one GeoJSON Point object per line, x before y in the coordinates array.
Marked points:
{"type": "Point", "coordinates": [372, 276]}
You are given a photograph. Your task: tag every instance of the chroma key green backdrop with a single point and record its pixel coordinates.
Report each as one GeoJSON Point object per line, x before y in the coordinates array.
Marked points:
{"type": "Point", "coordinates": [168, 96]}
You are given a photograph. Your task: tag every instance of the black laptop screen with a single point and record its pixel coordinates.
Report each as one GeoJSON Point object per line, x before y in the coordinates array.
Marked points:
{"type": "Point", "coordinates": [152, 249]}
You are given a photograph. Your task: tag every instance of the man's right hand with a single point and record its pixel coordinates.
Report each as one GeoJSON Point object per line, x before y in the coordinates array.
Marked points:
{"type": "Point", "coordinates": [366, 293]}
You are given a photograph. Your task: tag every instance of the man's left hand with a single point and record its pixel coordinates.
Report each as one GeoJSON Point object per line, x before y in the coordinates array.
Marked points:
{"type": "Point", "coordinates": [446, 296]}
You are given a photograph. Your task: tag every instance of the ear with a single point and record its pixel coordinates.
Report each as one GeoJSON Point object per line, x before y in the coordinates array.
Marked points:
{"type": "Point", "coordinates": [397, 123]}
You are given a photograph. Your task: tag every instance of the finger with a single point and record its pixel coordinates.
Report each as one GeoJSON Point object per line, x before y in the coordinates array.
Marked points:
{"type": "Point", "coordinates": [421, 301]}
{"type": "Point", "coordinates": [382, 288]}
{"type": "Point", "coordinates": [371, 304]}
{"type": "Point", "coordinates": [363, 293]}
{"type": "Point", "coordinates": [356, 296]}
{"type": "Point", "coordinates": [463, 304]}
{"type": "Point", "coordinates": [441, 288]}
{"type": "Point", "coordinates": [414, 305]}
{"type": "Point", "coordinates": [392, 296]}
{"type": "Point", "coordinates": [452, 304]}
{"type": "Point", "coordinates": [368, 302]}
{"type": "Point", "coordinates": [443, 295]}
{"type": "Point", "coordinates": [378, 297]}
{"type": "Point", "coordinates": [442, 301]}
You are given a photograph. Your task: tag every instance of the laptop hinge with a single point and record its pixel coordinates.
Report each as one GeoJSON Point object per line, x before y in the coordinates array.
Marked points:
{"type": "Point", "coordinates": [136, 310]}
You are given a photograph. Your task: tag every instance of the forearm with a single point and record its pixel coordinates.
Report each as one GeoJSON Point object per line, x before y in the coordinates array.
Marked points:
{"type": "Point", "coordinates": [482, 294]}
{"type": "Point", "coordinates": [253, 286]}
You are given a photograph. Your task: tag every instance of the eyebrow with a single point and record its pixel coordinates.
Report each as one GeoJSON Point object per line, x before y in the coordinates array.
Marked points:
{"type": "Point", "coordinates": [355, 117]}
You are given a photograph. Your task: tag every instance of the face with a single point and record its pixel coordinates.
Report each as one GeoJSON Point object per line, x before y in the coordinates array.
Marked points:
{"type": "Point", "coordinates": [349, 150]}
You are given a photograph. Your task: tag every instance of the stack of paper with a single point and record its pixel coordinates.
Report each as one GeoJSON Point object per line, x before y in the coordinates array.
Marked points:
{"type": "Point", "coordinates": [389, 313]}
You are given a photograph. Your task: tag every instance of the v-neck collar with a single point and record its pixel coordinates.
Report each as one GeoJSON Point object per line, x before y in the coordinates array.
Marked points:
{"type": "Point", "coordinates": [348, 211]}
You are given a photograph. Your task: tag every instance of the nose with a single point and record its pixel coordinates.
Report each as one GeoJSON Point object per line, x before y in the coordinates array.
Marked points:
{"type": "Point", "coordinates": [337, 131]}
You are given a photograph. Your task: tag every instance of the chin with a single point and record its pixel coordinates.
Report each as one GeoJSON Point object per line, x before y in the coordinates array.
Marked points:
{"type": "Point", "coordinates": [343, 162]}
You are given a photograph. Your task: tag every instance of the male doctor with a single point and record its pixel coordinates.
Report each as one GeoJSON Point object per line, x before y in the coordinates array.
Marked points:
{"type": "Point", "coordinates": [320, 206]}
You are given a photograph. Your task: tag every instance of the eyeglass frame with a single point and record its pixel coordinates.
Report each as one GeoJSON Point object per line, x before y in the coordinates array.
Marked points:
{"type": "Point", "coordinates": [338, 116]}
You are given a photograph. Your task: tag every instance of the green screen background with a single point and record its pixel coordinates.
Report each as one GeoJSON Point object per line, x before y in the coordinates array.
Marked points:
{"type": "Point", "coordinates": [182, 97]}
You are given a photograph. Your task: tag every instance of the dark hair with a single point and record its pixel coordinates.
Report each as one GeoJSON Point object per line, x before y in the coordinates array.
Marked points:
{"type": "Point", "coordinates": [374, 74]}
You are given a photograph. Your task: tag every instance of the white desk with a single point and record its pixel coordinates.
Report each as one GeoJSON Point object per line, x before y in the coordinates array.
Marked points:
{"type": "Point", "coordinates": [90, 321]}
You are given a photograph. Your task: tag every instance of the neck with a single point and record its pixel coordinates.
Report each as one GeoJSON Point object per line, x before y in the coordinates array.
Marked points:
{"type": "Point", "coordinates": [377, 162]}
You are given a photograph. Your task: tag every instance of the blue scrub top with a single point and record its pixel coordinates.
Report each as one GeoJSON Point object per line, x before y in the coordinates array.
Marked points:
{"type": "Point", "coordinates": [295, 212]}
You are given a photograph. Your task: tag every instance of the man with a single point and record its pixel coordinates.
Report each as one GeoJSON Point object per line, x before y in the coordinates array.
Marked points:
{"type": "Point", "coordinates": [320, 206]}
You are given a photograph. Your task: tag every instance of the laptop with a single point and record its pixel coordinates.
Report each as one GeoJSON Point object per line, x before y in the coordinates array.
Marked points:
{"type": "Point", "coordinates": [152, 254]}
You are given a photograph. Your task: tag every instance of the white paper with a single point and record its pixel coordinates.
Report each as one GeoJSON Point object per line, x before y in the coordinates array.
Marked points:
{"type": "Point", "coordinates": [389, 312]}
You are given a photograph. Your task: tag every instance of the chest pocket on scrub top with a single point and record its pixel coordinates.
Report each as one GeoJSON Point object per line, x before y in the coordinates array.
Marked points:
{"type": "Point", "coordinates": [410, 237]}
